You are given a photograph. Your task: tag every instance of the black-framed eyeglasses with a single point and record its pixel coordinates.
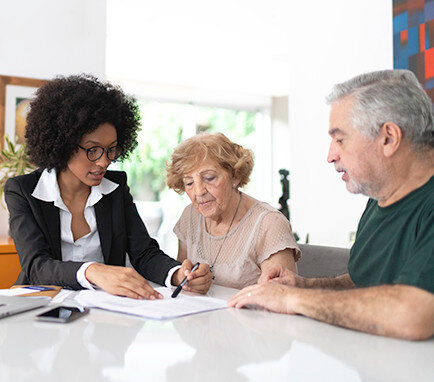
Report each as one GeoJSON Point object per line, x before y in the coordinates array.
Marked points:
{"type": "Point", "coordinates": [95, 152]}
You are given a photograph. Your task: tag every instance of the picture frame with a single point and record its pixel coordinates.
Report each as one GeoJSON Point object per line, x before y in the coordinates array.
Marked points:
{"type": "Point", "coordinates": [15, 96]}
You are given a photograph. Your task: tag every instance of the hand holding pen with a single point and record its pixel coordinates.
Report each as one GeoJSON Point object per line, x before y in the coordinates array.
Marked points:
{"type": "Point", "coordinates": [198, 279]}
{"type": "Point", "coordinates": [183, 282]}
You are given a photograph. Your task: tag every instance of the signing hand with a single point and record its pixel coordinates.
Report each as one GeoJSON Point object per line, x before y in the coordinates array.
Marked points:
{"type": "Point", "coordinates": [120, 281]}
{"type": "Point", "coordinates": [273, 297]}
{"type": "Point", "coordinates": [199, 281]}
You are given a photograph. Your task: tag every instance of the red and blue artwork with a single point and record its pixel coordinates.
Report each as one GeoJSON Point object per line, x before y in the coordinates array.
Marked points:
{"type": "Point", "coordinates": [413, 40]}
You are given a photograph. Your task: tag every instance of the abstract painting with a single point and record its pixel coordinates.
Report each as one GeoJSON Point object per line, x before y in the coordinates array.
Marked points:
{"type": "Point", "coordinates": [413, 40]}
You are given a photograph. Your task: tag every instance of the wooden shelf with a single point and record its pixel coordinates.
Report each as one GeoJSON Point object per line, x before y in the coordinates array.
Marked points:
{"type": "Point", "coordinates": [7, 245]}
{"type": "Point", "coordinates": [9, 262]}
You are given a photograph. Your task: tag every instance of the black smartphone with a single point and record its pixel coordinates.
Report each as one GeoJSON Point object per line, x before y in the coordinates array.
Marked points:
{"type": "Point", "coordinates": [62, 314]}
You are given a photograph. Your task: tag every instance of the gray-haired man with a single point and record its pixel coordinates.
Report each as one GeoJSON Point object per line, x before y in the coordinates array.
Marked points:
{"type": "Point", "coordinates": [381, 125]}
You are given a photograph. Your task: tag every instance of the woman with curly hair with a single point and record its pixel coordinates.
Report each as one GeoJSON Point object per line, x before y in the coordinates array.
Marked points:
{"type": "Point", "coordinates": [72, 220]}
{"type": "Point", "coordinates": [243, 240]}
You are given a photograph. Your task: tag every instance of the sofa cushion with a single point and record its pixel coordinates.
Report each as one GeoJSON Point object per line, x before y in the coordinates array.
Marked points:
{"type": "Point", "coordinates": [322, 261]}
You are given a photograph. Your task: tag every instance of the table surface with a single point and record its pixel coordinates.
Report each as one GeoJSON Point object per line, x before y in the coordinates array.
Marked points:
{"type": "Point", "coordinates": [224, 345]}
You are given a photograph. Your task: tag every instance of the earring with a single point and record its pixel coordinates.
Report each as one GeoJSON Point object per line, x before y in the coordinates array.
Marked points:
{"type": "Point", "coordinates": [234, 185]}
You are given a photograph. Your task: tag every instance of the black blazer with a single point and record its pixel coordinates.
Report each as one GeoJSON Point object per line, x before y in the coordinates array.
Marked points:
{"type": "Point", "coordinates": [35, 228]}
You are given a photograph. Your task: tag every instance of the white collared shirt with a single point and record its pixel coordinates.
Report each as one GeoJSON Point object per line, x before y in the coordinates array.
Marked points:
{"type": "Point", "coordinates": [87, 248]}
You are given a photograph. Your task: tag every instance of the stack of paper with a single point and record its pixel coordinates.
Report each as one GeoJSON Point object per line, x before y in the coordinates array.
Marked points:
{"type": "Point", "coordinates": [17, 291]}
{"type": "Point", "coordinates": [157, 309]}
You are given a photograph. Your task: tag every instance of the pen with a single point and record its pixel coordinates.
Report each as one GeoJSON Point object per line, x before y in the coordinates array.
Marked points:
{"type": "Point", "coordinates": [183, 282]}
{"type": "Point", "coordinates": [38, 287]}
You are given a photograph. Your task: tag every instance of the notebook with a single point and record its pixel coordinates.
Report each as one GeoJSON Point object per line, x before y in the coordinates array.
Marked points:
{"type": "Point", "coordinates": [12, 305]}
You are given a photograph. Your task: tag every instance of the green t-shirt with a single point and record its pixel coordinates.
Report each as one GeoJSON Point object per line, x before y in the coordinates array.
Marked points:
{"type": "Point", "coordinates": [395, 244]}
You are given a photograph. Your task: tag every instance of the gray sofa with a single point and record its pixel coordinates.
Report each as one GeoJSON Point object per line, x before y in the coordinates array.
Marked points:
{"type": "Point", "coordinates": [321, 261]}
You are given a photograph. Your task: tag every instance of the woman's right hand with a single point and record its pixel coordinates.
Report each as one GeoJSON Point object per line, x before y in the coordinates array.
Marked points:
{"type": "Point", "coordinates": [120, 281]}
{"type": "Point", "coordinates": [199, 281]}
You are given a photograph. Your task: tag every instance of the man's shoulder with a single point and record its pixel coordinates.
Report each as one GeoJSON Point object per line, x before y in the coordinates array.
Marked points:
{"type": "Point", "coordinates": [429, 192]}
{"type": "Point", "coordinates": [426, 191]}
{"type": "Point", "coordinates": [421, 199]}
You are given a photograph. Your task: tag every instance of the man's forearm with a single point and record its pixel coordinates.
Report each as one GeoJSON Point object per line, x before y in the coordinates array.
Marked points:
{"type": "Point", "coordinates": [339, 282]}
{"type": "Point", "coordinates": [396, 311]}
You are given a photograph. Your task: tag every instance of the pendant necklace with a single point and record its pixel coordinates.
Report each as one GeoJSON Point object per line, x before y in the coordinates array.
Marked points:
{"type": "Point", "coordinates": [211, 267]}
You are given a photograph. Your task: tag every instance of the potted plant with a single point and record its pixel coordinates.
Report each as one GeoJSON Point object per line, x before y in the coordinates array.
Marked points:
{"type": "Point", "coordinates": [13, 162]}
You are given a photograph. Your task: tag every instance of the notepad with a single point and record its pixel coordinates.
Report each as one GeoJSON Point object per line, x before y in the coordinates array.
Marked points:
{"type": "Point", "coordinates": [37, 290]}
{"type": "Point", "coordinates": [166, 308]}
{"type": "Point", "coordinates": [17, 291]}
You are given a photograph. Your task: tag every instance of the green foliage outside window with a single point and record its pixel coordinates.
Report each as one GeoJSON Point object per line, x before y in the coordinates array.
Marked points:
{"type": "Point", "coordinates": [236, 124]}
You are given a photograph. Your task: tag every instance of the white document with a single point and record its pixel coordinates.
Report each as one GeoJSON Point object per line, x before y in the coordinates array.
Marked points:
{"type": "Point", "coordinates": [157, 309]}
{"type": "Point", "coordinates": [17, 291]}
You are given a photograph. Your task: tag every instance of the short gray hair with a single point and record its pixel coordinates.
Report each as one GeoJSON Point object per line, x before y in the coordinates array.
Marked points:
{"type": "Point", "coordinates": [390, 96]}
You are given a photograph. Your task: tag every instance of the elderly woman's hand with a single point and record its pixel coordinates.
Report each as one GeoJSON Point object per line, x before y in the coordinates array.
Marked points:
{"type": "Point", "coordinates": [199, 281]}
{"type": "Point", "coordinates": [278, 266]}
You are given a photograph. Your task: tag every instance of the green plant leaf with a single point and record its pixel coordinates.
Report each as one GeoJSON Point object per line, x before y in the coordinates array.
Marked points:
{"type": "Point", "coordinates": [13, 162]}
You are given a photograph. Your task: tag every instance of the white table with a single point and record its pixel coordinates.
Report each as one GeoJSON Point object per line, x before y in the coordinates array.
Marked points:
{"type": "Point", "coordinates": [224, 345]}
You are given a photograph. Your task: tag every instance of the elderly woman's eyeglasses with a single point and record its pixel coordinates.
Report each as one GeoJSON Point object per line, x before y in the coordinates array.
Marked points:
{"type": "Point", "coordinates": [96, 152]}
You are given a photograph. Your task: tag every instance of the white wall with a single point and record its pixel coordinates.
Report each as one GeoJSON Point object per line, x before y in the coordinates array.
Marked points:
{"type": "Point", "coordinates": [280, 139]}
{"type": "Point", "coordinates": [44, 38]}
{"type": "Point", "coordinates": [342, 38]}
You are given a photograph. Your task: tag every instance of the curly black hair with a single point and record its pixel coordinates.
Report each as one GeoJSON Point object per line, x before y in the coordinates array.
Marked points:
{"type": "Point", "coordinates": [66, 108]}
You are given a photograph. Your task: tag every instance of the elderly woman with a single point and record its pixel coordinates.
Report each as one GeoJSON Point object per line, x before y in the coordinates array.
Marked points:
{"type": "Point", "coordinates": [243, 240]}
{"type": "Point", "coordinates": [72, 220]}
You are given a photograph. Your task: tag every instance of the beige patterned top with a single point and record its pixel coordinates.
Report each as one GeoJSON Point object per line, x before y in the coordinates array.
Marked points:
{"type": "Point", "coordinates": [262, 232]}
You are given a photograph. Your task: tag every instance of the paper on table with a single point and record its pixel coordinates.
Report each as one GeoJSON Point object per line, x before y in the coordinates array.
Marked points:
{"type": "Point", "coordinates": [17, 291]}
{"type": "Point", "coordinates": [157, 309]}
